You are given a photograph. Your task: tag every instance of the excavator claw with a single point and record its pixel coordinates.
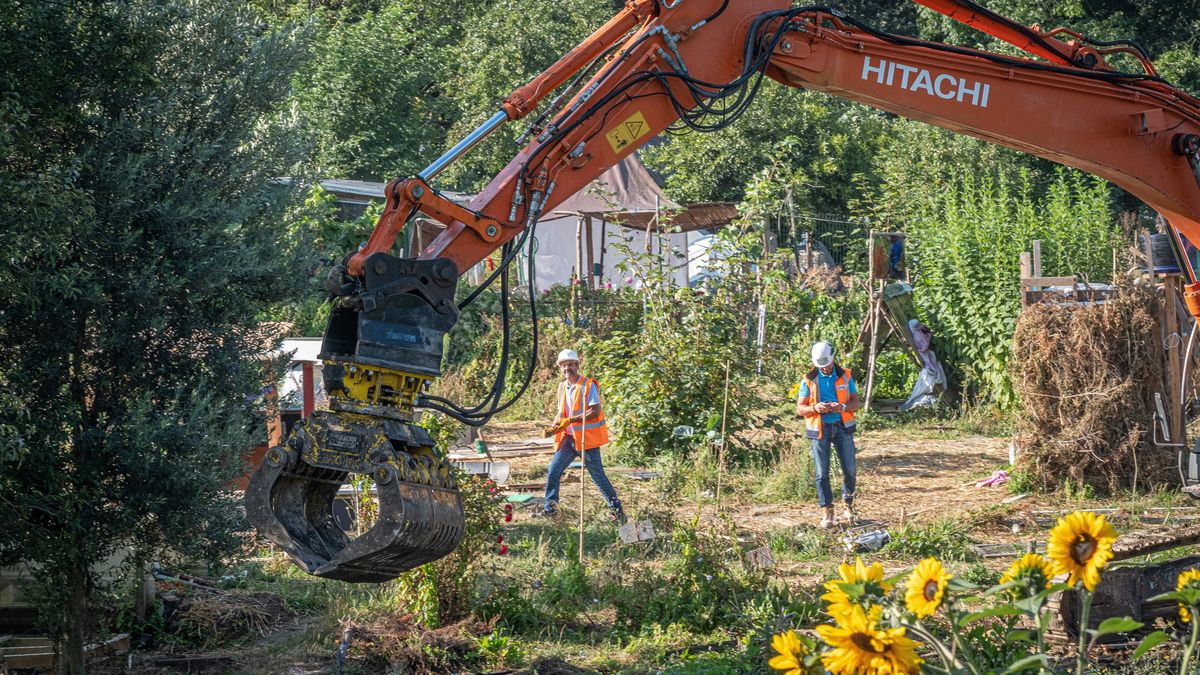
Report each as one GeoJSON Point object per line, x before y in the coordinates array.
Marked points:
{"type": "Point", "coordinates": [290, 497]}
{"type": "Point", "coordinates": [383, 343]}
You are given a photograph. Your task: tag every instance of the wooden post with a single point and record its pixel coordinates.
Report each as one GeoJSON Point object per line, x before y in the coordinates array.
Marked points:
{"type": "Point", "coordinates": [1026, 272]}
{"type": "Point", "coordinates": [309, 386]}
{"type": "Point", "coordinates": [876, 309]}
{"type": "Point", "coordinates": [1174, 349]}
{"type": "Point", "coordinates": [1037, 257]}
{"type": "Point", "coordinates": [603, 245]}
{"type": "Point", "coordinates": [591, 276]}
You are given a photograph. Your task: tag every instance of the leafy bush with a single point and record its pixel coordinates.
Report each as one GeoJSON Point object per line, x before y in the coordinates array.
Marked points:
{"type": "Point", "coordinates": [943, 539]}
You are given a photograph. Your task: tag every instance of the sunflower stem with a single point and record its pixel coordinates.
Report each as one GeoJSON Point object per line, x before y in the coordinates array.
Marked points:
{"type": "Point", "coordinates": [1191, 645]}
{"type": "Point", "coordinates": [942, 651]}
{"type": "Point", "coordinates": [1083, 629]}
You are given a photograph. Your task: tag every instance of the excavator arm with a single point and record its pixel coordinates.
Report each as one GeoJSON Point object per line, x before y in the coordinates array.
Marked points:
{"type": "Point", "coordinates": [658, 63]}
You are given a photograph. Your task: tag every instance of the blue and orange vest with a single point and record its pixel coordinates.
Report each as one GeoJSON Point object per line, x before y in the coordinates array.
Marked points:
{"type": "Point", "coordinates": [596, 431]}
{"type": "Point", "coordinates": [841, 386]}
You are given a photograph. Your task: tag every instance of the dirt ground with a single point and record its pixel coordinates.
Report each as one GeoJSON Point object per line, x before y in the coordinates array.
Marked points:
{"type": "Point", "coordinates": [920, 476]}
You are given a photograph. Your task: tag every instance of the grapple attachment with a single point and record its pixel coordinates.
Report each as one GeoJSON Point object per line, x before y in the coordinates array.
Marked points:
{"type": "Point", "coordinates": [290, 497]}
{"type": "Point", "coordinates": [381, 347]}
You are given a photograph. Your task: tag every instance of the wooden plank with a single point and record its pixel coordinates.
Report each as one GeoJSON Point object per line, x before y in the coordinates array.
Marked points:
{"type": "Point", "coordinates": [1035, 282]}
{"type": "Point", "coordinates": [1037, 257]}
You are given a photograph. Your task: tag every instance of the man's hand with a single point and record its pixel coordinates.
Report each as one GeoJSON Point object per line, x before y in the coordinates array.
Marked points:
{"type": "Point", "coordinates": [559, 425]}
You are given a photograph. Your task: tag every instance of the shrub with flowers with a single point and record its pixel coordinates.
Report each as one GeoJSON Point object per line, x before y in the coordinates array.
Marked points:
{"type": "Point", "coordinates": [897, 625]}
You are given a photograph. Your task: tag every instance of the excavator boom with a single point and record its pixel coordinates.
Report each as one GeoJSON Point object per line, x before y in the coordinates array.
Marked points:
{"type": "Point", "coordinates": [658, 64]}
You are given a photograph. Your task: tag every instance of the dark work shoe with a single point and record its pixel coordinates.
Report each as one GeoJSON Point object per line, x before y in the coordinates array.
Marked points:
{"type": "Point", "coordinates": [617, 515]}
{"type": "Point", "coordinates": [550, 514]}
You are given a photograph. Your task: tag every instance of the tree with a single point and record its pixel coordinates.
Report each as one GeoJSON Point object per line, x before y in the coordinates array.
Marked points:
{"type": "Point", "coordinates": [138, 143]}
{"type": "Point", "coordinates": [375, 94]}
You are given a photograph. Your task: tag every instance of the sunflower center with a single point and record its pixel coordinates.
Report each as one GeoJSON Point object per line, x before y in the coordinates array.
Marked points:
{"type": "Point", "coordinates": [865, 642]}
{"type": "Point", "coordinates": [1083, 549]}
{"type": "Point", "coordinates": [930, 590]}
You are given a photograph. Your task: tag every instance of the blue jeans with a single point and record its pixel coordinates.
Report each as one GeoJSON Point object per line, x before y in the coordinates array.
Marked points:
{"type": "Point", "coordinates": [835, 435]}
{"type": "Point", "coordinates": [591, 459]}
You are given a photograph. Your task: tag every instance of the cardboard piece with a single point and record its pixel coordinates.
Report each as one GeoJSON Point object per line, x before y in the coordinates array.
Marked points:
{"type": "Point", "coordinates": [632, 533]}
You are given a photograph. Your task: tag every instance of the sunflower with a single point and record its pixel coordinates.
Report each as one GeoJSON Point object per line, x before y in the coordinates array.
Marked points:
{"type": "Point", "coordinates": [1080, 545]}
{"type": "Point", "coordinates": [1187, 578]}
{"type": "Point", "coordinates": [1032, 571]}
{"type": "Point", "coordinates": [790, 654]}
{"type": "Point", "coordinates": [926, 584]}
{"type": "Point", "coordinates": [859, 647]}
{"type": "Point", "coordinates": [869, 587]}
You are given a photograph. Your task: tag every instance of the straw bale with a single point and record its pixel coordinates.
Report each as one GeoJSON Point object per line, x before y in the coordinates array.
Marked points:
{"type": "Point", "coordinates": [1087, 375]}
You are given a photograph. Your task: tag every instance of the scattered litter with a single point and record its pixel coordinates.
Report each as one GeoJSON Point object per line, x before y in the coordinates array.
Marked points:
{"type": "Point", "coordinates": [760, 558]}
{"type": "Point", "coordinates": [683, 431]}
{"type": "Point", "coordinates": [520, 498]}
{"type": "Point", "coordinates": [632, 533]}
{"type": "Point", "coordinates": [999, 477]}
{"type": "Point", "coordinates": [637, 474]}
{"type": "Point", "coordinates": [497, 471]}
{"type": "Point", "coordinates": [865, 541]}
{"type": "Point", "coordinates": [1014, 498]}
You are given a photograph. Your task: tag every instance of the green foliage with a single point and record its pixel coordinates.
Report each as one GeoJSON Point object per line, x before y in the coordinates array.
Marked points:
{"type": "Point", "coordinates": [444, 591]}
{"type": "Point", "coordinates": [694, 589]}
{"type": "Point", "coordinates": [942, 539]}
{"type": "Point", "coordinates": [374, 94]}
{"type": "Point", "coordinates": [803, 142]}
{"type": "Point", "coordinates": [144, 234]}
{"type": "Point", "coordinates": [967, 229]}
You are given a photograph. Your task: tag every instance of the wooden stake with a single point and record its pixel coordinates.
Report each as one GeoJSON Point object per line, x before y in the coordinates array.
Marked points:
{"type": "Point", "coordinates": [721, 451]}
{"type": "Point", "coordinates": [583, 396]}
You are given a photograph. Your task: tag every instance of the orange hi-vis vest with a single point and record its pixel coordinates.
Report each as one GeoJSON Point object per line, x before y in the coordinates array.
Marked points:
{"type": "Point", "coordinates": [841, 386]}
{"type": "Point", "coordinates": [596, 431]}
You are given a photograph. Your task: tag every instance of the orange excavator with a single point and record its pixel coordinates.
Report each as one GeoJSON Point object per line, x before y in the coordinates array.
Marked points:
{"type": "Point", "coordinates": [657, 64]}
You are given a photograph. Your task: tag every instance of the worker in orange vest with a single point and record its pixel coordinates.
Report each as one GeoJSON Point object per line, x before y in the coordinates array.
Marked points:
{"type": "Point", "coordinates": [573, 429]}
{"type": "Point", "coordinates": [827, 401]}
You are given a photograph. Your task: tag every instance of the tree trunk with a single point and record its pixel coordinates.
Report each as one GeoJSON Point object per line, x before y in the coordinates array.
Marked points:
{"type": "Point", "coordinates": [77, 615]}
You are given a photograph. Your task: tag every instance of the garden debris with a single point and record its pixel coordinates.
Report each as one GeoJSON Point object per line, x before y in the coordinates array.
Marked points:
{"type": "Point", "coordinates": [228, 615]}
{"type": "Point", "coordinates": [632, 533]}
{"type": "Point", "coordinates": [1014, 498]}
{"type": "Point", "coordinates": [399, 643]}
{"type": "Point", "coordinates": [1087, 375]}
{"type": "Point", "coordinates": [760, 558]}
{"type": "Point", "coordinates": [999, 477]}
{"type": "Point", "coordinates": [865, 540]}
{"type": "Point", "coordinates": [1148, 516]}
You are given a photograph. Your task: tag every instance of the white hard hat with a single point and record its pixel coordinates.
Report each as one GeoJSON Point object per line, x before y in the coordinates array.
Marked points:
{"type": "Point", "coordinates": [822, 354]}
{"type": "Point", "coordinates": [568, 355]}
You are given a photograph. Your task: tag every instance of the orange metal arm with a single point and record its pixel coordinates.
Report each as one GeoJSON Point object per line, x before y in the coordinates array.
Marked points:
{"type": "Point", "coordinates": [1122, 130]}
{"type": "Point", "coordinates": [1004, 28]}
{"type": "Point", "coordinates": [1132, 130]}
{"type": "Point", "coordinates": [596, 130]}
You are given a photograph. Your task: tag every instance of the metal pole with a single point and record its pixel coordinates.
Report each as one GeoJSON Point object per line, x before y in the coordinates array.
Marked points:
{"type": "Point", "coordinates": [463, 146]}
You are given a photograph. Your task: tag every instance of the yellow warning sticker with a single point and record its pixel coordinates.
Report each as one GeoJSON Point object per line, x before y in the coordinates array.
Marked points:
{"type": "Point", "coordinates": [625, 133]}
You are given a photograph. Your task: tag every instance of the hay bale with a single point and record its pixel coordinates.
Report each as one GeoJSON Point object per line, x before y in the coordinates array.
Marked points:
{"type": "Point", "coordinates": [1087, 375]}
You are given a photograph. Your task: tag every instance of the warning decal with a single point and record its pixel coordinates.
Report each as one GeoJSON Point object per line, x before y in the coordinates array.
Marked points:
{"type": "Point", "coordinates": [625, 133]}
